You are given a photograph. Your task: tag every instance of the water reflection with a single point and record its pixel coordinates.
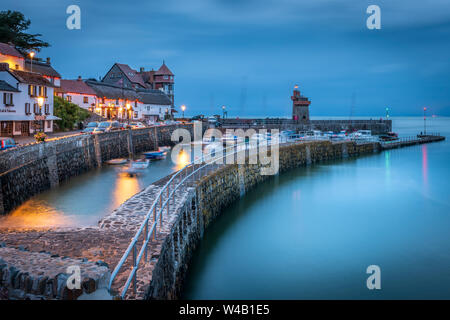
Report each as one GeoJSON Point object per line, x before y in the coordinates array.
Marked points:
{"type": "Point", "coordinates": [182, 158]}
{"type": "Point", "coordinates": [36, 215]}
{"type": "Point", "coordinates": [125, 188]}
{"type": "Point", "coordinates": [425, 167]}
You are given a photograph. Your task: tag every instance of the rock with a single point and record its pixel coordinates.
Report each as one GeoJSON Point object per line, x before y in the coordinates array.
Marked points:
{"type": "Point", "coordinates": [102, 264]}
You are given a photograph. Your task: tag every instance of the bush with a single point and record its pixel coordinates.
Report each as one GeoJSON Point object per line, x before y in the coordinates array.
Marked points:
{"type": "Point", "coordinates": [70, 114]}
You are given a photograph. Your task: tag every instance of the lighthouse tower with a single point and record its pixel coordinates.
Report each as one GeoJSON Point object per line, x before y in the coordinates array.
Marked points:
{"type": "Point", "coordinates": [300, 106]}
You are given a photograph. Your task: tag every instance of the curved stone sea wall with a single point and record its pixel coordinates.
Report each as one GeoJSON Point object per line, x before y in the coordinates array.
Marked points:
{"type": "Point", "coordinates": [31, 169]}
{"type": "Point", "coordinates": [217, 190]}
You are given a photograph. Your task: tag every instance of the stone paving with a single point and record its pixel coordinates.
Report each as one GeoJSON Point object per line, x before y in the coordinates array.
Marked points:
{"type": "Point", "coordinates": [103, 244]}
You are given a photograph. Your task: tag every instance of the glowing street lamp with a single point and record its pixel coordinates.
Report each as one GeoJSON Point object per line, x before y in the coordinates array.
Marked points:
{"type": "Point", "coordinates": [387, 113]}
{"type": "Point", "coordinates": [223, 112]}
{"type": "Point", "coordinates": [183, 107]}
{"type": "Point", "coordinates": [40, 101]}
{"type": "Point", "coordinates": [31, 56]}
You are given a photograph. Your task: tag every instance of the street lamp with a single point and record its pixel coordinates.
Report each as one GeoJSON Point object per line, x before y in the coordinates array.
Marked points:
{"type": "Point", "coordinates": [223, 112]}
{"type": "Point", "coordinates": [128, 111]}
{"type": "Point", "coordinates": [387, 113]}
{"type": "Point", "coordinates": [424, 121]}
{"type": "Point", "coordinates": [183, 107]}
{"type": "Point", "coordinates": [40, 101]}
{"type": "Point", "coordinates": [31, 56]}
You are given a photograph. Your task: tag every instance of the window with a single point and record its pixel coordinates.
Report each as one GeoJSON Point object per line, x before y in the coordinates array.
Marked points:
{"type": "Point", "coordinates": [8, 99]}
{"type": "Point", "coordinates": [85, 99]}
{"type": "Point", "coordinates": [45, 92]}
{"type": "Point", "coordinates": [31, 90]}
{"type": "Point", "coordinates": [166, 77]}
{"type": "Point", "coordinates": [49, 123]}
{"type": "Point", "coordinates": [36, 108]}
{"type": "Point", "coordinates": [69, 98]}
{"type": "Point", "coordinates": [135, 114]}
{"type": "Point", "coordinates": [27, 108]}
{"type": "Point", "coordinates": [41, 91]}
{"type": "Point", "coordinates": [47, 109]}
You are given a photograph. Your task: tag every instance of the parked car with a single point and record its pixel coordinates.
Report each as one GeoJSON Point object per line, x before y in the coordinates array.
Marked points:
{"type": "Point", "coordinates": [6, 143]}
{"type": "Point", "coordinates": [88, 130]}
{"type": "Point", "coordinates": [109, 125]}
{"type": "Point", "coordinates": [92, 125]}
{"type": "Point", "coordinates": [198, 117]}
{"type": "Point", "coordinates": [137, 125]}
{"type": "Point", "coordinates": [98, 130]}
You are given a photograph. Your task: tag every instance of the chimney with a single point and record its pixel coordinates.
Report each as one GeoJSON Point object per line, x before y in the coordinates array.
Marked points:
{"type": "Point", "coordinates": [4, 67]}
{"type": "Point", "coordinates": [141, 69]}
{"type": "Point", "coordinates": [79, 78]}
{"type": "Point", "coordinates": [48, 60]}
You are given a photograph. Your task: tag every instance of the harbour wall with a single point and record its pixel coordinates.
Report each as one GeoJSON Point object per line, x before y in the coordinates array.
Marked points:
{"type": "Point", "coordinates": [31, 169]}
{"type": "Point", "coordinates": [217, 190]}
{"type": "Point", "coordinates": [378, 126]}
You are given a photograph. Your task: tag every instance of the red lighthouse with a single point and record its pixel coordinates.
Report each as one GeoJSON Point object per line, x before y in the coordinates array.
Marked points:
{"type": "Point", "coordinates": [300, 106]}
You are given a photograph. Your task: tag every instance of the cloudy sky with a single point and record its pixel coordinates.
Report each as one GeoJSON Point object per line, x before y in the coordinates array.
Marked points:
{"type": "Point", "coordinates": [248, 54]}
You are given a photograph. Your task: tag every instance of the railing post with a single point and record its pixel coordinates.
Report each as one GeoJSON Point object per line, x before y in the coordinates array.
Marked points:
{"type": "Point", "coordinates": [145, 239]}
{"type": "Point", "coordinates": [134, 266]}
{"type": "Point", "coordinates": [168, 201]}
{"type": "Point", "coordinates": [154, 221]}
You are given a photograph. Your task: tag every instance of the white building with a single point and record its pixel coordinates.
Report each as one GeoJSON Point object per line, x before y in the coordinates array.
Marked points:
{"type": "Point", "coordinates": [79, 93]}
{"type": "Point", "coordinates": [155, 105]}
{"type": "Point", "coordinates": [30, 108]}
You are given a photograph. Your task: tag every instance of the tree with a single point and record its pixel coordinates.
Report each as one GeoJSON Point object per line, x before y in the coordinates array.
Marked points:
{"type": "Point", "coordinates": [70, 114]}
{"type": "Point", "coordinates": [12, 27]}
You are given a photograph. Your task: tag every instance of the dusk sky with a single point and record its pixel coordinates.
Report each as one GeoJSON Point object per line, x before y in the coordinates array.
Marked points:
{"type": "Point", "coordinates": [248, 54]}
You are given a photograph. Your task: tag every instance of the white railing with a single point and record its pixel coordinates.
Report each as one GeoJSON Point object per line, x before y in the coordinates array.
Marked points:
{"type": "Point", "coordinates": [155, 215]}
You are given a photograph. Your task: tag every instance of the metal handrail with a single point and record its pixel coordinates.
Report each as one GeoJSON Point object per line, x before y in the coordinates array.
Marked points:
{"type": "Point", "coordinates": [157, 215]}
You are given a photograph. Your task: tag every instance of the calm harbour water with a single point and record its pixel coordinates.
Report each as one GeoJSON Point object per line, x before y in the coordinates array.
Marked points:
{"type": "Point", "coordinates": [311, 233]}
{"type": "Point", "coordinates": [85, 199]}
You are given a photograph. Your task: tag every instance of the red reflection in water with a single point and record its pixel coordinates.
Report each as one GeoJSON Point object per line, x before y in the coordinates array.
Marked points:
{"type": "Point", "coordinates": [425, 165]}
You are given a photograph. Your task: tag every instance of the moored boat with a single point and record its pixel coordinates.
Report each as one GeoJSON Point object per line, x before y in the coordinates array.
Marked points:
{"type": "Point", "coordinates": [155, 155]}
{"type": "Point", "coordinates": [140, 164]}
{"type": "Point", "coordinates": [117, 161]}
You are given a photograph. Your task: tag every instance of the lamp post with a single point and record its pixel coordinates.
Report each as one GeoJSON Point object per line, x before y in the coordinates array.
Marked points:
{"type": "Point", "coordinates": [31, 56]}
{"type": "Point", "coordinates": [387, 113]}
{"type": "Point", "coordinates": [183, 107]}
{"type": "Point", "coordinates": [223, 112]}
{"type": "Point", "coordinates": [40, 101]}
{"type": "Point", "coordinates": [128, 112]}
{"type": "Point", "coordinates": [424, 121]}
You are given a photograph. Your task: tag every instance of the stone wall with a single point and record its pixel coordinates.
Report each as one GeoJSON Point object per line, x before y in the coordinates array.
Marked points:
{"type": "Point", "coordinates": [31, 169]}
{"type": "Point", "coordinates": [379, 126]}
{"type": "Point", "coordinates": [219, 189]}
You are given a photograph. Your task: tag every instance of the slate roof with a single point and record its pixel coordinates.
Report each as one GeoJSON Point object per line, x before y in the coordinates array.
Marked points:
{"type": "Point", "coordinates": [42, 68]}
{"type": "Point", "coordinates": [9, 50]}
{"type": "Point", "coordinates": [75, 86]}
{"type": "Point", "coordinates": [5, 86]}
{"type": "Point", "coordinates": [110, 91]}
{"type": "Point", "coordinates": [156, 97]}
{"type": "Point", "coordinates": [31, 78]}
{"type": "Point", "coordinates": [164, 70]}
{"type": "Point", "coordinates": [131, 74]}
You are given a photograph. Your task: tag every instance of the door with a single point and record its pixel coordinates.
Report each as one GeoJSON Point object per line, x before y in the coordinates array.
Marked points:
{"type": "Point", "coordinates": [6, 128]}
{"type": "Point", "coordinates": [25, 128]}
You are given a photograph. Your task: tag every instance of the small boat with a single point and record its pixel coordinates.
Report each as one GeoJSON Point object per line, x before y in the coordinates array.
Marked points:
{"type": "Point", "coordinates": [164, 148]}
{"type": "Point", "coordinates": [140, 164]}
{"type": "Point", "coordinates": [155, 155]}
{"type": "Point", "coordinates": [117, 161]}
